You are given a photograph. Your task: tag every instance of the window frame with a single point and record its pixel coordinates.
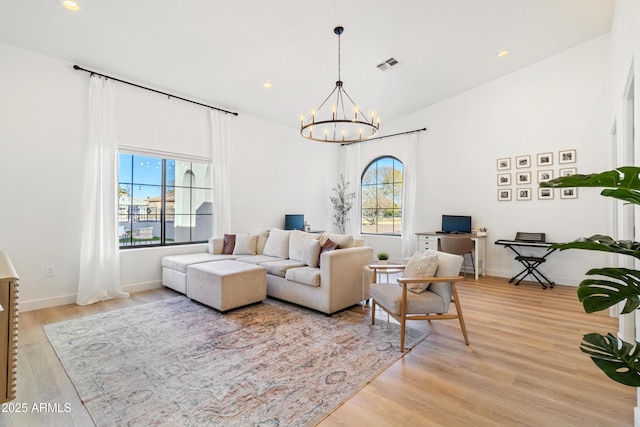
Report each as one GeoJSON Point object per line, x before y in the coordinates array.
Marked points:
{"type": "Point", "coordinates": [164, 187]}
{"type": "Point", "coordinates": [395, 161]}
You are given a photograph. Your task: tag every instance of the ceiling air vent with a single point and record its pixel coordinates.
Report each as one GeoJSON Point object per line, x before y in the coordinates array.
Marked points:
{"type": "Point", "coordinates": [388, 64]}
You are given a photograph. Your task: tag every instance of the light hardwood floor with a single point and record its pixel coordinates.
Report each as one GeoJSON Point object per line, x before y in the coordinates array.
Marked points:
{"type": "Point", "coordinates": [523, 367]}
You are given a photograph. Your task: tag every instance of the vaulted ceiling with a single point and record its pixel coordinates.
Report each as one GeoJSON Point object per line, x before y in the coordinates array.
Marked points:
{"type": "Point", "coordinates": [221, 52]}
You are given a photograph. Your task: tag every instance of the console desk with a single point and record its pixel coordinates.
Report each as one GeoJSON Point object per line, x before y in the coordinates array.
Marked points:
{"type": "Point", "coordinates": [431, 240]}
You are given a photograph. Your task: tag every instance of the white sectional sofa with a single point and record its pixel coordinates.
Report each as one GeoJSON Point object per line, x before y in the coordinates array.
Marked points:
{"type": "Point", "coordinates": [320, 271]}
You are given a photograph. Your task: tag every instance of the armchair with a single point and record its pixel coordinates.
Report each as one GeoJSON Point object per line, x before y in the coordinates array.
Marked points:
{"type": "Point", "coordinates": [431, 304]}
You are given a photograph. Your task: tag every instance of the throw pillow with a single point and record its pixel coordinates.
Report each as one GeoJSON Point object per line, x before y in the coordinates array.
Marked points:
{"type": "Point", "coordinates": [343, 240]}
{"type": "Point", "coordinates": [263, 235]}
{"type": "Point", "coordinates": [229, 243]}
{"type": "Point", "coordinates": [278, 243]}
{"type": "Point", "coordinates": [311, 253]}
{"type": "Point", "coordinates": [245, 244]}
{"type": "Point", "coordinates": [420, 265]}
{"type": "Point", "coordinates": [297, 244]}
{"type": "Point", "coordinates": [328, 245]}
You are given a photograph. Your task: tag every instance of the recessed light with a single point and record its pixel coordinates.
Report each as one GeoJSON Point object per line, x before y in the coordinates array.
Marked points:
{"type": "Point", "coordinates": [267, 85]}
{"type": "Point", "coordinates": [71, 5]}
{"type": "Point", "coordinates": [503, 53]}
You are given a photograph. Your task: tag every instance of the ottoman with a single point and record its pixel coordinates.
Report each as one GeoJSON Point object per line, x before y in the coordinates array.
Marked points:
{"type": "Point", "coordinates": [224, 285]}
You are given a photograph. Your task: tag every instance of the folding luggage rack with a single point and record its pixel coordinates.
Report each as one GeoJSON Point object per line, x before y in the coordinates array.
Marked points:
{"type": "Point", "coordinates": [530, 263]}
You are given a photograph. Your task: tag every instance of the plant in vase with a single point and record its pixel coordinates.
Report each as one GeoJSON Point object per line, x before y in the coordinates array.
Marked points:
{"type": "Point", "coordinates": [618, 359]}
{"type": "Point", "coordinates": [383, 257]}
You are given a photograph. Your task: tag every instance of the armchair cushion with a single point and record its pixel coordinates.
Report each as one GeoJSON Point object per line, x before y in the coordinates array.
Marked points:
{"type": "Point", "coordinates": [420, 265]}
{"type": "Point", "coordinates": [390, 297]}
{"type": "Point", "coordinates": [448, 266]}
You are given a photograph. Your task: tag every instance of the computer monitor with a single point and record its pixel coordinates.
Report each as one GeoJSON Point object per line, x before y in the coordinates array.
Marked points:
{"type": "Point", "coordinates": [456, 224]}
{"type": "Point", "coordinates": [294, 222]}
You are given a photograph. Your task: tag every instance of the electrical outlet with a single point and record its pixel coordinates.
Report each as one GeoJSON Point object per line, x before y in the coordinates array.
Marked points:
{"type": "Point", "coordinates": [49, 271]}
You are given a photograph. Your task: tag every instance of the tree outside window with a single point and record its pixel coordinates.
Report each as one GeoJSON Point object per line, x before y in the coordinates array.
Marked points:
{"type": "Point", "coordinates": [382, 197]}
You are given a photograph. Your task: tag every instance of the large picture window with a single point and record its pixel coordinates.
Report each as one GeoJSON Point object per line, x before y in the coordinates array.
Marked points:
{"type": "Point", "coordinates": [382, 197]}
{"type": "Point", "coordinates": [163, 201]}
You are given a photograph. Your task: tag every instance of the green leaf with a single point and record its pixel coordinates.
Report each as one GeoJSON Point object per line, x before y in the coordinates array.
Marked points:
{"type": "Point", "coordinates": [618, 359]}
{"type": "Point", "coordinates": [602, 243]}
{"type": "Point", "coordinates": [600, 294]}
{"type": "Point", "coordinates": [622, 183]}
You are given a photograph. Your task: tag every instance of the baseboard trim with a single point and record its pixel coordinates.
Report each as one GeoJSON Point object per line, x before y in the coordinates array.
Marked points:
{"type": "Point", "coordinates": [71, 298]}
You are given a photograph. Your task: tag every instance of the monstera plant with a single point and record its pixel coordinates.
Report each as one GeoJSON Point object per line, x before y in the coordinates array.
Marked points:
{"type": "Point", "coordinates": [618, 359]}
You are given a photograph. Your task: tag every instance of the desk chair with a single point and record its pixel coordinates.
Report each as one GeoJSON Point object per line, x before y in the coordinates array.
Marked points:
{"type": "Point", "coordinates": [458, 246]}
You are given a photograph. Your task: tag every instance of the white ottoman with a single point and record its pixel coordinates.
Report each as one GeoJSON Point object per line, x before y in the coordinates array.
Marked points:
{"type": "Point", "coordinates": [224, 285]}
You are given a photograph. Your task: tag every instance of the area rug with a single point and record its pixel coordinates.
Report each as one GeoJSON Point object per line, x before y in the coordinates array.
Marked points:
{"type": "Point", "coordinates": [177, 362]}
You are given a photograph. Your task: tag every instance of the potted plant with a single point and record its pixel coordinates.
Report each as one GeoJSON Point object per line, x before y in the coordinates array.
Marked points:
{"type": "Point", "coordinates": [383, 257]}
{"type": "Point", "coordinates": [342, 204]}
{"type": "Point", "coordinates": [618, 359]}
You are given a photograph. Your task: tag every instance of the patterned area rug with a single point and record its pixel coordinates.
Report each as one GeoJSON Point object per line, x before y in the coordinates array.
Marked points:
{"type": "Point", "coordinates": [177, 362]}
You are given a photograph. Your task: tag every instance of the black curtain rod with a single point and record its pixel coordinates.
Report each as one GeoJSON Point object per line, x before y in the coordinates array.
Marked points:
{"type": "Point", "coordinates": [389, 136]}
{"type": "Point", "coordinates": [77, 67]}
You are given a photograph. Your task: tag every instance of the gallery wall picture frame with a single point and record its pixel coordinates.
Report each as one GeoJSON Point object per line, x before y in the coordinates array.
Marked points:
{"type": "Point", "coordinates": [566, 156]}
{"type": "Point", "coordinates": [523, 193]}
{"type": "Point", "coordinates": [504, 164]}
{"type": "Point", "coordinates": [523, 178]}
{"type": "Point", "coordinates": [504, 194]}
{"type": "Point", "coordinates": [569, 193]}
{"type": "Point", "coordinates": [545, 159]}
{"type": "Point", "coordinates": [504, 179]}
{"type": "Point", "coordinates": [545, 193]}
{"type": "Point", "coordinates": [523, 161]}
{"type": "Point", "coordinates": [568, 171]}
{"type": "Point", "coordinates": [545, 175]}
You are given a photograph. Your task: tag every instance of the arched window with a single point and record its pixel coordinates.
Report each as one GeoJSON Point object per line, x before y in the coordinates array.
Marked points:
{"type": "Point", "coordinates": [382, 197]}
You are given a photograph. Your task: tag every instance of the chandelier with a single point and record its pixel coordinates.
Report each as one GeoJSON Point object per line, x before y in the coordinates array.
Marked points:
{"type": "Point", "coordinates": [343, 124]}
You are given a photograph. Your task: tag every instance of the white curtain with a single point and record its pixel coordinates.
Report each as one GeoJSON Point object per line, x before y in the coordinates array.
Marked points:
{"type": "Point", "coordinates": [220, 142]}
{"type": "Point", "coordinates": [409, 186]}
{"type": "Point", "coordinates": [352, 175]}
{"type": "Point", "coordinates": [99, 277]}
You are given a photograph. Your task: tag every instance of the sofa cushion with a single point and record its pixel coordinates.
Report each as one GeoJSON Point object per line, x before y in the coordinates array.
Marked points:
{"type": "Point", "coordinates": [305, 275]}
{"type": "Point", "coordinates": [245, 244]}
{"type": "Point", "coordinates": [181, 262]}
{"type": "Point", "coordinates": [420, 265]}
{"type": "Point", "coordinates": [297, 244]}
{"type": "Point", "coordinates": [343, 240]}
{"type": "Point", "coordinates": [257, 259]}
{"type": "Point", "coordinates": [215, 245]}
{"type": "Point", "coordinates": [279, 268]}
{"type": "Point", "coordinates": [311, 253]}
{"type": "Point", "coordinates": [228, 244]}
{"type": "Point", "coordinates": [263, 235]}
{"type": "Point", "coordinates": [277, 243]}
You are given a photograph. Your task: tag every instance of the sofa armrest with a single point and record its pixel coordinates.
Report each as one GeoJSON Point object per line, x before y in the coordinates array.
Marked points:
{"type": "Point", "coordinates": [341, 272]}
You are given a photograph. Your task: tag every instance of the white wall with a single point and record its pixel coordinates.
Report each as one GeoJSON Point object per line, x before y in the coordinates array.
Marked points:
{"type": "Point", "coordinates": [43, 120]}
{"type": "Point", "coordinates": [553, 105]}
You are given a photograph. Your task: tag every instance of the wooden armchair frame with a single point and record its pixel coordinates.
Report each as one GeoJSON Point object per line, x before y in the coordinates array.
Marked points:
{"type": "Point", "coordinates": [403, 317]}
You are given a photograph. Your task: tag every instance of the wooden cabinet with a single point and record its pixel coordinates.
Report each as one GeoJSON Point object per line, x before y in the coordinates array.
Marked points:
{"type": "Point", "coordinates": [427, 242]}
{"type": "Point", "coordinates": [8, 328]}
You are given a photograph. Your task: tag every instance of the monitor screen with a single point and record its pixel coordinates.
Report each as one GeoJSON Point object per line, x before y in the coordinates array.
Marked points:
{"type": "Point", "coordinates": [294, 222]}
{"type": "Point", "coordinates": [456, 224]}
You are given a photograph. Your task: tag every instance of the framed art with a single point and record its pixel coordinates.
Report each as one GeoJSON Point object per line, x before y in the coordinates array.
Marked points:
{"type": "Point", "coordinates": [567, 156]}
{"type": "Point", "coordinates": [545, 175]}
{"type": "Point", "coordinates": [504, 179]}
{"type": "Point", "coordinates": [569, 193]}
{"type": "Point", "coordinates": [568, 171]}
{"type": "Point", "coordinates": [523, 178]}
{"type": "Point", "coordinates": [524, 194]}
{"type": "Point", "coordinates": [523, 161]}
{"type": "Point", "coordinates": [504, 164]}
{"type": "Point", "coordinates": [545, 159]}
{"type": "Point", "coordinates": [545, 193]}
{"type": "Point", "coordinates": [504, 194]}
